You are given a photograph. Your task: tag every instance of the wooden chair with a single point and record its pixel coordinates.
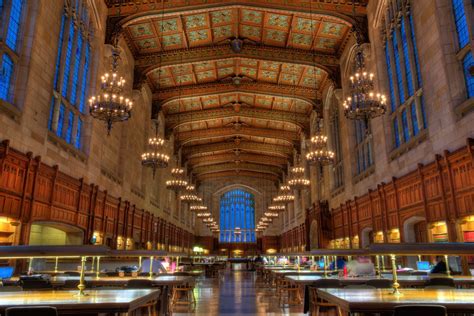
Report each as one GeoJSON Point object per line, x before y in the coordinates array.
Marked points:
{"type": "Point", "coordinates": [150, 306]}
{"type": "Point", "coordinates": [440, 281]}
{"type": "Point", "coordinates": [185, 291]}
{"type": "Point", "coordinates": [417, 310]}
{"type": "Point", "coordinates": [318, 305]}
{"type": "Point", "coordinates": [31, 311]}
{"type": "Point", "coordinates": [380, 283]}
{"type": "Point", "coordinates": [291, 291]}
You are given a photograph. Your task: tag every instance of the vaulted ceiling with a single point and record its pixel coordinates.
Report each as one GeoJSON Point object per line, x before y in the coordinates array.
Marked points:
{"type": "Point", "coordinates": [236, 112]}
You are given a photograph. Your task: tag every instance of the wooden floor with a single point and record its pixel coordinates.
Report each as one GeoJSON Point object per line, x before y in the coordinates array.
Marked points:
{"type": "Point", "coordinates": [236, 293]}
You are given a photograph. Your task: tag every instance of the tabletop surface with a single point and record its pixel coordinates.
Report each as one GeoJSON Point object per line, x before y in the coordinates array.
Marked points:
{"type": "Point", "coordinates": [299, 272]}
{"type": "Point", "coordinates": [401, 278]}
{"type": "Point", "coordinates": [122, 299]}
{"type": "Point", "coordinates": [382, 299]}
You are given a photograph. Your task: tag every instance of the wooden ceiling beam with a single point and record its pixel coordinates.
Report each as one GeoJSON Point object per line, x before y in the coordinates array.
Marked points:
{"type": "Point", "coordinates": [233, 174]}
{"type": "Point", "coordinates": [304, 93]}
{"type": "Point", "coordinates": [189, 136]}
{"type": "Point", "coordinates": [149, 62]}
{"type": "Point", "coordinates": [240, 166]}
{"type": "Point", "coordinates": [247, 157]}
{"type": "Point", "coordinates": [299, 119]}
{"type": "Point", "coordinates": [243, 146]}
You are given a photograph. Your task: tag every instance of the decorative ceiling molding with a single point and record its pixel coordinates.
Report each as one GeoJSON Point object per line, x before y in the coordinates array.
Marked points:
{"type": "Point", "coordinates": [233, 174]}
{"type": "Point", "coordinates": [238, 167]}
{"type": "Point", "coordinates": [244, 146]}
{"type": "Point", "coordinates": [187, 137]}
{"type": "Point", "coordinates": [340, 8]}
{"type": "Point", "coordinates": [175, 120]}
{"type": "Point", "coordinates": [247, 157]}
{"type": "Point", "coordinates": [148, 62]}
{"type": "Point", "coordinates": [304, 93]}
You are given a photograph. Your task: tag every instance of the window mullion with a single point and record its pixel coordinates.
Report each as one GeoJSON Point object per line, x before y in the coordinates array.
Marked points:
{"type": "Point", "coordinates": [393, 65]}
{"type": "Point", "coordinates": [72, 60]}
{"type": "Point", "coordinates": [401, 55]}
{"type": "Point", "coordinates": [6, 19]}
{"type": "Point", "coordinates": [411, 51]}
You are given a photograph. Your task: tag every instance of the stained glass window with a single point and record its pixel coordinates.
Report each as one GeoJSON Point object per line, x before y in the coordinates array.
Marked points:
{"type": "Point", "coordinates": [12, 19]}
{"type": "Point", "coordinates": [14, 24]}
{"type": "Point", "coordinates": [237, 209]}
{"type": "Point", "coordinates": [462, 31]}
{"type": "Point", "coordinates": [363, 147]}
{"type": "Point", "coordinates": [404, 73]}
{"type": "Point", "coordinates": [5, 77]}
{"type": "Point", "coordinates": [72, 72]}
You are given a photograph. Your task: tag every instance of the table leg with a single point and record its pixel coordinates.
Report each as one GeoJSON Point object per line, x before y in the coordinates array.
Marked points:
{"type": "Point", "coordinates": [164, 309]}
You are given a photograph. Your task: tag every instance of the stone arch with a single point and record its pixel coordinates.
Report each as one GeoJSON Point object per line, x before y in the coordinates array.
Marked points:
{"type": "Point", "coordinates": [55, 233]}
{"type": "Point", "coordinates": [314, 235]}
{"type": "Point", "coordinates": [409, 234]}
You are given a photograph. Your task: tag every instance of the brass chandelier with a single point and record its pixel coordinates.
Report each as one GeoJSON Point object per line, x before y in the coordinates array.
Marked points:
{"type": "Point", "coordinates": [276, 208]}
{"type": "Point", "coordinates": [111, 104]}
{"type": "Point", "coordinates": [319, 152]}
{"type": "Point", "coordinates": [363, 102]}
{"type": "Point", "coordinates": [284, 196]}
{"type": "Point", "coordinates": [177, 182]}
{"type": "Point", "coordinates": [203, 214]}
{"type": "Point", "coordinates": [155, 156]}
{"type": "Point", "coordinates": [189, 195]}
{"type": "Point", "coordinates": [298, 181]}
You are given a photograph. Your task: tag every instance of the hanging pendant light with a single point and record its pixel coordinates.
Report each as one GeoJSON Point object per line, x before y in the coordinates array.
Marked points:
{"type": "Point", "coordinates": [189, 195]}
{"type": "Point", "coordinates": [177, 181]}
{"type": "Point", "coordinates": [155, 156]}
{"type": "Point", "coordinates": [319, 152]}
{"type": "Point", "coordinates": [363, 102]}
{"type": "Point", "coordinates": [285, 196]}
{"type": "Point", "coordinates": [203, 214]}
{"type": "Point", "coordinates": [276, 208]}
{"type": "Point", "coordinates": [298, 181]}
{"type": "Point", "coordinates": [111, 103]}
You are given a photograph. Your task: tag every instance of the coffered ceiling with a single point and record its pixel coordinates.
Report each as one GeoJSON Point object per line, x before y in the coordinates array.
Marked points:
{"type": "Point", "coordinates": [236, 111]}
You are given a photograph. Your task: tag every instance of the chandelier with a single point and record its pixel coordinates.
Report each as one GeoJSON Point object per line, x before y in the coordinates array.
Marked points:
{"type": "Point", "coordinates": [276, 207]}
{"type": "Point", "coordinates": [284, 196]}
{"type": "Point", "coordinates": [271, 214]}
{"type": "Point", "coordinates": [155, 157]}
{"type": "Point", "coordinates": [190, 195]}
{"type": "Point", "coordinates": [110, 104]}
{"type": "Point", "coordinates": [203, 214]}
{"type": "Point", "coordinates": [363, 102]}
{"type": "Point", "coordinates": [319, 152]}
{"type": "Point", "coordinates": [198, 207]}
{"type": "Point", "coordinates": [177, 181]}
{"type": "Point", "coordinates": [208, 220]}
{"type": "Point", "coordinates": [298, 181]}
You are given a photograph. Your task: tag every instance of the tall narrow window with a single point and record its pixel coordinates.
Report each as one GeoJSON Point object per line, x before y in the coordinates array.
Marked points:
{"type": "Point", "coordinates": [11, 13]}
{"type": "Point", "coordinates": [363, 148]}
{"type": "Point", "coordinates": [338, 171]}
{"type": "Point", "coordinates": [237, 217]}
{"type": "Point", "coordinates": [462, 31]}
{"type": "Point", "coordinates": [71, 74]}
{"type": "Point", "coordinates": [403, 71]}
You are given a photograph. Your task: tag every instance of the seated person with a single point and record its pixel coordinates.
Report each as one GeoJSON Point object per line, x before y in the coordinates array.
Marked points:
{"type": "Point", "coordinates": [341, 263]}
{"type": "Point", "coordinates": [158, 267]}
{"type": "Point", "coordinates": [440, 266]}
{"type": "Point", "coordinates": [361, 266]}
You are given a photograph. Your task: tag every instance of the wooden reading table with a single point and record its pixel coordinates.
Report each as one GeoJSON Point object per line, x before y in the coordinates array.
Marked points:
{"type": "Point", "coordinates": [68, 302]}
{"type": "Point", "coordinates": [382, 300]}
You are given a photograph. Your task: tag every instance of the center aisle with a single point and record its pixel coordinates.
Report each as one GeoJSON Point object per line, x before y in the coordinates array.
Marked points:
{"type": "Point", "coordinates": [236, 292]}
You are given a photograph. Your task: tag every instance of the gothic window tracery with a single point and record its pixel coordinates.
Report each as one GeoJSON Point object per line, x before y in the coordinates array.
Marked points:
{"type": "Point", "coordinates": [11, 17]}
{"type": "Point", "coordinates": [404, 75]}
{"type": "Point", "coordinates": [72, 73]}
{"type": "Point", "coordinates": [237, 209]}
{"type": "Point", "coordinates": [464, 51]}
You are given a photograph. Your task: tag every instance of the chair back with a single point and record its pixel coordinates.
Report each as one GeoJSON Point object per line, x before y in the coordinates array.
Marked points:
{"type": "Point", "coordinates": [417, 310]}
{"type": "Point", "coordinates": [441, 281]}
{"type": "Point", "coordinates": [139, 284]}
{"type": "Point", "coordinates": [72, 273]}
{"type": "Point", "coordinates": [380, 283]}
{"type": "Point", "coordinates": [359, 286]}
{"type": "Point", "coordinates": [327, 283]}
{"type": "Point", "coordinates": [36, 284]}
{"type": "Point", "coordinates": [31, 311]}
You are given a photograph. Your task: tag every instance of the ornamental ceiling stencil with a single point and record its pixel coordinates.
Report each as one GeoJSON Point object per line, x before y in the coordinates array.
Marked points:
{"type": "Point", "coordinates": [254, 100]}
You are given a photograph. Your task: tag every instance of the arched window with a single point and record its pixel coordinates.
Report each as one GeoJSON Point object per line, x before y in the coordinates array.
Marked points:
{"type": "Point", "coordinates": [363, 148]}
{"type": "Point", "coordinates": [237, 211]}
{"type": "Point", "coordinates": [11, 14]}
{"type": "Point", "coordinates": [71, 75]}
{"type": "Point", "coordinates": [403, 71]}
{"type": "Point", "coordinates": [462, 31]}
